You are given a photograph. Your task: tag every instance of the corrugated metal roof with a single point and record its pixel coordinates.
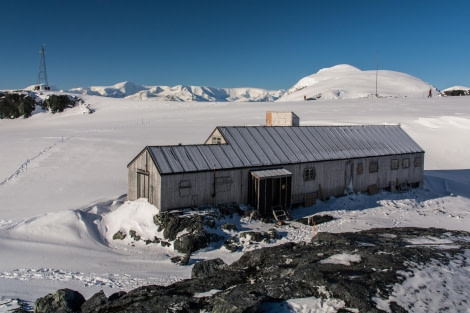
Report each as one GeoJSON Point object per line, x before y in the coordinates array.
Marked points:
{"type": "Point", "coordinates": [255, 146]}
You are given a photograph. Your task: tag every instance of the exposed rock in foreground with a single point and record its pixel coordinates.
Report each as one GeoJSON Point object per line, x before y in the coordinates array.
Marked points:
{"type": "Point", "coordinates": [357, 268]}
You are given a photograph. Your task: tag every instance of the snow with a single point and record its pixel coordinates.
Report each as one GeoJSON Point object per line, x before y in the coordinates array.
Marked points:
{"type": "Point", "coordinates": [137, 216]}
{"type": "Point", "coordinates": [342, 258]}
{"type": "Point", "coordinates": [456, 88]}
{"type": "Point", "coordinates": [309, 305]}
{"type": "Point", "coordinates": [63, 180]}
{"type": "Point", "coordinates": [348, 82]}
{"type": "Point", "coordinates": [433, 286]}
{"type": "Point", "coordinates": [305, 305]}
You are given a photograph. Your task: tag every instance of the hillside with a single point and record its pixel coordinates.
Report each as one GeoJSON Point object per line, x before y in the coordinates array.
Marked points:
{"type": "Point", "coordinates": [348, 82]}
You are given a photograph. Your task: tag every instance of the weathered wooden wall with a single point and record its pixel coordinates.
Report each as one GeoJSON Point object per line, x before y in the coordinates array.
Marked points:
{"type": "Point", "coordinates": [143, 163]}
{"type": "Point", "coordinates": [193, 189]}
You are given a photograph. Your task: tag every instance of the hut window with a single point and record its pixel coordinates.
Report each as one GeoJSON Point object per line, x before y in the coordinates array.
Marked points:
{"type": "Point", "coordinates": [185, 188]}
{"type": "Point", "coordinates": [216, 140]}
{"type": "Point", "coordinates": [395, 164]}
{"type": "Point", "coordinates": [373, 166]}
{"type": "Point", "coordinates": [309, 174]}
{"type": "Point", "coordinates": [223, 184]}
{"type": "Point", "coordinates": [405, 163]}
{"type": "Point", "coordinates": [418, 162]}
{"type": "Point", "coordinates": [360, 168]}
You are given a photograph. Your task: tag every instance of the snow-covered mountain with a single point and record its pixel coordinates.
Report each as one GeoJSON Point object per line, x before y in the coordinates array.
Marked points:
{"type": "Point", "coordinates": [457, 88]}
{"type": "Point", "coordinates": [456, 91]}
{"type": "Point", "coordinates": [181, 93]}
{"type": "Point", "coordinates": [348, 82]}
{"type": "Point", "coordinates": [337, 82]}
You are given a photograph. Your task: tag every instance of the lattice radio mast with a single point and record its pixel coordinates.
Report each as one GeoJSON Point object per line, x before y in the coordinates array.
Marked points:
{"type": "Point", "coordinates": [42, 73]}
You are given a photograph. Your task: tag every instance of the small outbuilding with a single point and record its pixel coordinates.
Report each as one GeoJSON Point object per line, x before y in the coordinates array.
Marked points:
{"type": "Point", "coordinates": [276, 167]}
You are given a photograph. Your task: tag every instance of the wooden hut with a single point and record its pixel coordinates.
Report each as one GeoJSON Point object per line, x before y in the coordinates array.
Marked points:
{"type": "Point", "coordinates": [274, 167]}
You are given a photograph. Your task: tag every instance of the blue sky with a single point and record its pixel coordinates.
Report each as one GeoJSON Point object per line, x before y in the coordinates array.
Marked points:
{"type": "Point", "coordinates": [229, 43]}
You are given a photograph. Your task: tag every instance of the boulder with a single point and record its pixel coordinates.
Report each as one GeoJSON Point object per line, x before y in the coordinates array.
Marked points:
{"type": "Point", "coordinates": [61, 301]}
{"type": "Point", "coordinates": [189, 243]}
{"type": "Point", "coordinates": [205, 268]}
{"type": "Point", "coordinates": [97, 300]}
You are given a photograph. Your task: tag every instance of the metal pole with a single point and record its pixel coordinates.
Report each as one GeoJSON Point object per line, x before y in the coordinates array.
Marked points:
{"type": "Point", "coordinates": [376, 73]}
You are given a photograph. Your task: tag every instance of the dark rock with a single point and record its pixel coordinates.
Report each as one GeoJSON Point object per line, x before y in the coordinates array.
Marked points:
{"type": "Point", "coordinates": [185, 259]}
{"type": "Point", "coordinates": [228, 226]}
{"type": "Point", "coordinates": [204, 268]}
{"type": "Point", "coordinates": [172, 224]}
{"type": "Point", "coordinates": [298, 270]}
{"type": "Point", "coordinates": [134, 235]}
{"type": "Point", "coordinates": [119, 235]}
{"type": "Point", "coordinates": [259, 236]}
{"type": "Point", "coordinates": [117, 295]}
{"type": "Point", "coordinates": [97, 300]}
{"type": "Point", "coordinates": [61, 301]}
{"type": "Point", "coordinates": [165, 243]}
{"type": "Point", "coordinates": [237, 301]}
{"type": "Point", "coordinates": [273, 234]}
{"type": "Point", "coordinates": [181, 260]}
{"type": "Point", "coordinates": [189, 243]}
{"type": "Point", "coordinates": [232, 244]}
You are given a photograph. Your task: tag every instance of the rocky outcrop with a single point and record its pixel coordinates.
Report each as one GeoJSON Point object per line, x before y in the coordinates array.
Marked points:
{"type": "Point", "coordinates": [353, 267]}
{"type": "Point", "coordinates": [192, 230]}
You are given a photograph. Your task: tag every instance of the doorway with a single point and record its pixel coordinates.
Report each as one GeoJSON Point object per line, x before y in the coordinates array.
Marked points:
{"type": "Point", "coordinates": [271, 189]}
{"type": "Point", "coordinates": [142, 185]}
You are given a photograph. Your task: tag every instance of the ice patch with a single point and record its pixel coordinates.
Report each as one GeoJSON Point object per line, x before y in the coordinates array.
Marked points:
{"type": "Point", "coordinates": [431, 286]}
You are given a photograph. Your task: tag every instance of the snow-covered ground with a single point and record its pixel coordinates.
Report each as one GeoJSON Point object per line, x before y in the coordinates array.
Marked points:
{"type": "Point", "coordinates": [63, 180]}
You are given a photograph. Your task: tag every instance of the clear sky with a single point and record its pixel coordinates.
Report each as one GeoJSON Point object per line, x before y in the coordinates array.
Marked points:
{"type": "Point", "coordinates": [267, 44]}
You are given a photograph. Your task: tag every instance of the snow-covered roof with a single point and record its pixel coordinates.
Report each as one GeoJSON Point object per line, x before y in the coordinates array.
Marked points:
{"type": "Point", "coordinates": [279, 172]}
{"type": "Point", "coordinates": [258, 146]}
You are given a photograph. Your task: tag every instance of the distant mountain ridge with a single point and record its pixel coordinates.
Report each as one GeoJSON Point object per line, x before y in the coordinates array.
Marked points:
{"type": "Point", "coordinates": [133, 91]}
{"type": "Point", "coordinates": [341, 81]}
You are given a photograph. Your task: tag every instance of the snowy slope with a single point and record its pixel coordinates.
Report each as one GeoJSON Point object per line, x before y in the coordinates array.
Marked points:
{"type": "Point", "coordinates": [348, 82]}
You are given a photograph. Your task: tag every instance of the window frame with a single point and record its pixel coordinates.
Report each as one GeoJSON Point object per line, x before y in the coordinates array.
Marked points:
{"type": "Point", "coordinates": [310, 174]}
{"type": "Point", "coordinates": [394, 164]}
{"type": "Point", "coordinates": [418, 161]}
{"type": "Point", "coordinates": [185, 188]}
{"type": "Point", "coordinates": [360, 168]}
{"type": "Point", "coordinates": [374, 166]}
{"type": "Point", "coordinates": [405, 163]}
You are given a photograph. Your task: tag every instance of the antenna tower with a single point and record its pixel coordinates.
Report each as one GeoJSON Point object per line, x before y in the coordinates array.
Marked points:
{"type": "Point", "coordinates": [42, 74]}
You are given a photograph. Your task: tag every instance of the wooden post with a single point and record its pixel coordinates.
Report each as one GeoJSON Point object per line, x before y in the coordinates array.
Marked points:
{"type": "Point", "coordinates": [321, 193]}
